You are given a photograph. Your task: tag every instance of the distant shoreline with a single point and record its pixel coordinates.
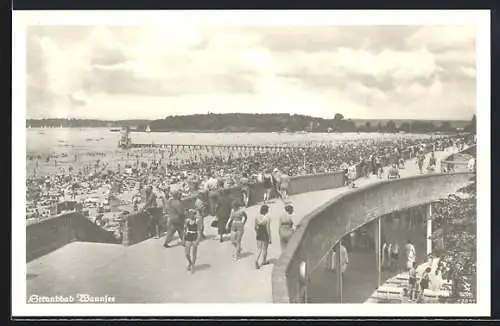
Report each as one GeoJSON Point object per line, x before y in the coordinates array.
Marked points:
{"type": "Point", "coordinates": [252, 131]}
{"type": "Point", "coordinates": [246, 132]}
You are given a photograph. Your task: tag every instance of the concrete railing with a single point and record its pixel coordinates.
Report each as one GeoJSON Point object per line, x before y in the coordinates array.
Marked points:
{"type": "Point", "coordinates": [323, 228]}
{"type": "Point", "coordinates": [455, 163]}
{"type": "Point", "coordinates": [54, 232]}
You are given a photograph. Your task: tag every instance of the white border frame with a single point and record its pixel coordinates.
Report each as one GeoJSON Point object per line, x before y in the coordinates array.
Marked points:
{"type": "Point", "coordinates": [480, 18]}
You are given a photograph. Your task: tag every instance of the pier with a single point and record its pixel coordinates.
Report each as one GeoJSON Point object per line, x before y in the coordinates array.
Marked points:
{"type": "Point", "coordinates": [237, 147]}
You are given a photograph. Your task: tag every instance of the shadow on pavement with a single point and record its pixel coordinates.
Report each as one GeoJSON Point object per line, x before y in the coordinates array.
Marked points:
{"type": "Point", "coordinates": [202, 267]}
{"type": "Point", "coordinates": [246, 254]}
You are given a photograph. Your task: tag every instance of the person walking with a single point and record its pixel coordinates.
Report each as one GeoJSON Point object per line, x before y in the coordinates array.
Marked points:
{"type": "Point", "coordinates": [420, 162]}
{"type": "Point", "coordinates": [380, 169]}
{"type": "Point", "coordinates": [276, 178]}
{"type": "Point", "coordinates": [384, 258]}
{"type": "Point", "coordinates": [176, 218]}
{"type": "Point", "coordinates": [150, 208]}
{"type": "Point", "coordinates": [136, 196]}
{"type": "Point", "coordinates": [432, 163]}
{"type": "Point", "coordinates": [284, 185]}
{"type": "Point", "coordinates": [388, 255]}
{"type": "Point", "coordinates": [344, 259]}
{"type": "Point", "coordinates": [344, 167]}
{"type": "Point", "coordinates": [425, 283]}
{"type": "Point", "coordinates": [192, 236]}
{"type": "Point", "coordinates": [286, 228]}
{"type": "Point", "coordinates": [268, 186]}
{"type": "Point", "coordinates": [164, 198]}
{"type": "Point", "coordinates": [236, 224]}
{"type": "Point", "coordinates": [262, 228]}
{"type": "Point", "coordinates": [395, 257]}
{"type": "Point", "coordinates": [411, 254]}
{"type": "Point", "coordinates": [412, 281]}
{"type": "Point", "coordinates": [212, 186]}
{"type": "Point", "coordinates": [245, 189]}
{"type": "Point", "coordinates": [222, 213]}
{"type": "Point", "coordinates": [352, 171]}
{"type": "Point", "coordinates": [201, 211]}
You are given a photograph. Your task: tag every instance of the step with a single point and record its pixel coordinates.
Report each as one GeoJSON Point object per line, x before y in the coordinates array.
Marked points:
{"type": "Point", "coordinates": [436, 294]}
{"type": "Point", "coordinates": [386, 298]}
{"type": "Point", "coordinates": [388, 293]}
{"type": "Point", "coordinates": [397, 281]}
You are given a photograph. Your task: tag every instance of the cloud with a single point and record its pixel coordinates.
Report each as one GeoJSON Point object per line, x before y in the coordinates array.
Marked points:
{"type": "Point", "coordinates": [151, 72]}
{"type": "Point", "coordinates": [328, 38]}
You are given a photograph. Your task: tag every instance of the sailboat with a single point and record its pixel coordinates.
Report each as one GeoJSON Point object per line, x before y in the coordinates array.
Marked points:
{"type": "Point", "coordinates": [148, 129]}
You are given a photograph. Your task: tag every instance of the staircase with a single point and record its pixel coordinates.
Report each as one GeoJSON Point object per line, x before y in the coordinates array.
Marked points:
{"type": "Point", "coordinates": [395, 289]}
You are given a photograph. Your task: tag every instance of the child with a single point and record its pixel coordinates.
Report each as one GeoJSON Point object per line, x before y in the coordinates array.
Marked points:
{"type": "Point", "coordinates": [412, 280]}
{"type": "Point", "coordinates": [425, 282]}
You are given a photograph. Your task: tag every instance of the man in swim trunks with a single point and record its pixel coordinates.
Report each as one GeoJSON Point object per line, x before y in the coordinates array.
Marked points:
{"type": "Point", "coordinates": [176, 217]}
{"type": "Point", "coordinates": [150, 208]}
{"type": "Point", "coordinates": [222, 212]}
{"type": "Point", "coordinates": [245, 189]}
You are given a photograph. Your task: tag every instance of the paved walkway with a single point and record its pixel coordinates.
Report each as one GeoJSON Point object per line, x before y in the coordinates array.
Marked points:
{"type": "Point", "coordinates": [148, 273]}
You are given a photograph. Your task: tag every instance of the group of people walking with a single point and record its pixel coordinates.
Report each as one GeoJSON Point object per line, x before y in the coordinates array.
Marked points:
{"type": "Point", "coordinates": [229, 217]}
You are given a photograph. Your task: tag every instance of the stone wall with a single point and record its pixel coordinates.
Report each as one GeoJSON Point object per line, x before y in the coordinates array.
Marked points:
{"type": "Point", "coordinates": [52, 233]}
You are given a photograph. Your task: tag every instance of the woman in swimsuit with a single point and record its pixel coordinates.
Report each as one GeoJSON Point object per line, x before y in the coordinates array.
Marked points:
{"type": "Point", "coordinates": [268, 186]}
{"type": "Point", "coordinates": [286, 226]}
{"type": "Point", "coordinates": [284, 185]}
{"type": "Point", "coordinates": [263, 235]}
{"type": "Point", "coordinates": [237, 222]}
{"type": "Point", "coordinates": [192, 236]}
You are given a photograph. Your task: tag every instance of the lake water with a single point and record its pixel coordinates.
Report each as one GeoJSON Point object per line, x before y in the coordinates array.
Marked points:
{"type": "Point", "coordinates": [60, 140]}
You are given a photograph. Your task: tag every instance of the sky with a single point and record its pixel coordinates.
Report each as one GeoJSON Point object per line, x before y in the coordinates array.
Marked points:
{"type": "Point", "coordinates": [150, 72]}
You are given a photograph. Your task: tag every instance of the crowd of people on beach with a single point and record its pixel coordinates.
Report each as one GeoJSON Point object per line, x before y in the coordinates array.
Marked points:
{"type": "Point", "coordinates": [156, 185]}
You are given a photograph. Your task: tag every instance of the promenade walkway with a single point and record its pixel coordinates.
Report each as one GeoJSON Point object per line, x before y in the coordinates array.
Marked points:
{"type": "Point", "coordinates": [148, 273]}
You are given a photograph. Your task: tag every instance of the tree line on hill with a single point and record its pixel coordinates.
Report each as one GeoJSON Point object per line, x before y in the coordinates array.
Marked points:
{"type": "Point", "coordinates": [238, 122]}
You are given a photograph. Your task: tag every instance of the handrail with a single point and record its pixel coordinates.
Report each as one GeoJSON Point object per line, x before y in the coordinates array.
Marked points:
{"type": "Point", "coordinates": [346, 220]}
